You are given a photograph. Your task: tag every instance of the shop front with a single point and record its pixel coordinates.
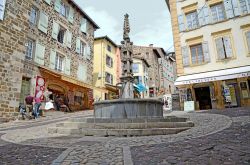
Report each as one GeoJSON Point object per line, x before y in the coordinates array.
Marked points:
{"type": "Point", "coordinates": [76, 94]}
{"type": "Point", "coordinates": [216, 90]}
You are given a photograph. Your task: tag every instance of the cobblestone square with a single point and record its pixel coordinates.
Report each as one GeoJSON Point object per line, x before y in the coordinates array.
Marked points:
{"type": "Point", "coordinates": [219, 137]}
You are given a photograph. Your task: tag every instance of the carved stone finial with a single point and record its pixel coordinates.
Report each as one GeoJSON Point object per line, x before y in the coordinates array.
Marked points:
{"type": "Point", "coordinates": [126, 27]}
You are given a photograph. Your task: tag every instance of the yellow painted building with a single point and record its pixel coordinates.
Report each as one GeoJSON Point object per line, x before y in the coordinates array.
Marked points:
{"type": "Point", "coordinates": [212, 46]}
{"type": "Point", "coordinates": [105, 68]}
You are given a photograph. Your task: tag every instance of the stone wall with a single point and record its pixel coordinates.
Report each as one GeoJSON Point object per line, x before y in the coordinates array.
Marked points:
{"type": "Point", "coordinates": [14, 32]}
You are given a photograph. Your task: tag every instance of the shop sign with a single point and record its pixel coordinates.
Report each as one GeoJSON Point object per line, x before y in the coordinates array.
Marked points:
{"type": "Point", "coordinates": [215, 78]}
{"type": "Point", "coordinates": [40, 87]}
{"type": "Point", "coordinates": [189, 106]}
{"type": "Point", "coordinates": [2, 8]}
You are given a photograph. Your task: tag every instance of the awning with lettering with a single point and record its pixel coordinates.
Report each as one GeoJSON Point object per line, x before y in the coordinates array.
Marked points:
{"type": "Point", "coordinates": [223, 74]}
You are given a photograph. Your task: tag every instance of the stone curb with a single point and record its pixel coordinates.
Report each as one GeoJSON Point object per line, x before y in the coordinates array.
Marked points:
{"type": "Point", "coordinates": [127, 158]}
{"type": "Point", "coordinates": [62, 156]}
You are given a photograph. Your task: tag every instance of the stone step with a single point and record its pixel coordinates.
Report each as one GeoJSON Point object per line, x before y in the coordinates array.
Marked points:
{"type": "Point", "coordinates": [78, 125]}
{"type": "Point", "coordinates": [3, 120]}
{"type": "Point", "coordinates": [117, 132]}
{"type": "Point", "coordinates": [134, 120]}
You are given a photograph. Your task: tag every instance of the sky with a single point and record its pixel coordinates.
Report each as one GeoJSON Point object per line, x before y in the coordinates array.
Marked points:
{"type": "Point", "coordinates": [150, 21]}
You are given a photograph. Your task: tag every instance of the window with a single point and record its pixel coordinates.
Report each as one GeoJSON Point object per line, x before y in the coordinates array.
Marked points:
{"type": "Point", "coordinates": [192, 20]}
{"type": "Point", "coordinates": [60, 36]}
{"type": "Point", "coordinates": [59, 62]}
{"type": "Point", "coordinates": [82, 48]}
{"type": "Point", "coordinates": [135, 68]}
{"type": "Point", "coordinates": [64, 10]}
{"type": "Point", "coordinates": [109, 61]}
{"type": "Point", "coordinates": [30, 49]}
{"type": "Point", "coordinates": [33, 16]}
{"type": "Point", "coordinates": [218, 13]}
{"type": "Point", "coordinates": [138, 79]}
{"type": "Point", "coordinates": [109, 48]}
{"type": "Point", "coordinates": [248, 40]}
{"type": "Point", "coordinates": [197, 54]}
{"type": "Point", "coordinates": [223, 47]}
{"type": "Point", "coordinates": [245, 6]}
{"type": "Point", "coordinates": [109, 78]}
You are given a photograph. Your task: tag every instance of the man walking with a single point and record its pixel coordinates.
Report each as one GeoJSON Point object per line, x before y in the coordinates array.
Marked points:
{"type": "Point", "coordinates": [29, 104]}
{"type": "Point", "coordinates": [36, 107]}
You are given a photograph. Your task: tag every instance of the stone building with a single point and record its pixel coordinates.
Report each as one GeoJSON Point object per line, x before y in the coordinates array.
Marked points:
{"type": "Point", "coordinates": [212, 46]}
{"type": "Point", "coordinates": [105, 68]}
{"type": "Point", "coordinates": [161, 70]}
{"type": "Point", "coordinates": [45, 44]}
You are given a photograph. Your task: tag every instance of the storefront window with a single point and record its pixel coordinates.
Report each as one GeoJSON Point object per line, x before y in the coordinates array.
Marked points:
{"type": "Point", "coordinates": [244, 89]}
{"type": "Point", "coordinates": [78, 98]}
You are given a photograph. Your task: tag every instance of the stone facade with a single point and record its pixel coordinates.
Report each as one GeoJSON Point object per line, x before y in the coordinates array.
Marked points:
{"type": "Point", "coordinates": [17, 32]}
{"type": "Point", "coordinates": [161, 71]}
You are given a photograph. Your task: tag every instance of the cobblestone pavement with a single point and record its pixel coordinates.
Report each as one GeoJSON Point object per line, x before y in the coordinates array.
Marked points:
{"type": "Point", "coordinates": [218, 137]}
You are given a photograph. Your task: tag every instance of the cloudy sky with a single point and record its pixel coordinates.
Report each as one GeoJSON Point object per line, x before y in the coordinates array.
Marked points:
{"type": "Point", "coordinates": [149, 20]}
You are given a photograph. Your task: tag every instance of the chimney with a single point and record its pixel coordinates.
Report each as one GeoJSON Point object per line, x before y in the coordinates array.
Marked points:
{"type": "Point", "coordinates": [151, 45]}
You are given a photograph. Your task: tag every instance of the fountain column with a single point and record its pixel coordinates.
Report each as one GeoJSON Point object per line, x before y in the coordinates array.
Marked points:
{"type": "Point", "coordinates": [127, 77]}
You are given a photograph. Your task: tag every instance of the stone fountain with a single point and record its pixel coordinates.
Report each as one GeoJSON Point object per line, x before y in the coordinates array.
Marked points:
{"type": "Point", "coordinates": [126, 116]}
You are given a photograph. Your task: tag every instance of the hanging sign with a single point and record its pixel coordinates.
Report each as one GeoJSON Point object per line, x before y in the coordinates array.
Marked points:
{"type": "Point", "coordinates": [2, 8]}
{"type": "Point", "coordinates": [40, 87]}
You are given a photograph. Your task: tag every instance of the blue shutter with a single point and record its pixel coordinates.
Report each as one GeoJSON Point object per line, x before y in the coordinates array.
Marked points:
{"type": "Point", "coordinates": [39, 54]}
{"type": "Point", "coordinates": [220, 48]}
{"type": "Point", "coordinates": [236, 7]}
{"type": "Point", "coordinates": [206, 12]}
{"type": "Point", "coordinates": [206, 51]}
{"type": "Point", "coordinates": [71, 15]}
{"type": "Point", "coordinates": [84, 25]}
{"type": "Point", "coordinates": [43, 22]}
{"type": "Point", "coordinates": [47, 1]}
{"type": "Point", "coordinates": [181, 23]}
{"type": "Point", "coordinates": [52, 58]}
{"type": "Point", "coordinates": [201, 17]}
{"type": "Point", "coordinates": [228, 8]}
{"type": "Point", "coordinates": [78, 45]}
{"type": "Point", "coordinates": [185, 56]}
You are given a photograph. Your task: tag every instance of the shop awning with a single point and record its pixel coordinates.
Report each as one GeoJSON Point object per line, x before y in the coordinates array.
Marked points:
{"type": "Point", "coordinates": [223, 74]}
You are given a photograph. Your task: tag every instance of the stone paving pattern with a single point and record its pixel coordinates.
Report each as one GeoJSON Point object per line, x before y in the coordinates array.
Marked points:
{"type": "Point", "coordinates": [219, 137]}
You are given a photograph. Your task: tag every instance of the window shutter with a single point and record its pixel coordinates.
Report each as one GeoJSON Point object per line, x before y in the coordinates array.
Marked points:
{"type": "Point", "coordinates": [88, 52]}
{"type": "Point", "coordinates": [67, 66]}
{"type": "Point", "coordinates": [57, 6]}
{"type": "Point", "coordinates": [201, 17]}
{"type": "Point", "coordinates": [181, 23]}
{"type": "Point", "coordinates": [71, 15]}
{"type": "Point", "coordinates": [47, 1]}
{"type": "Point", "coordinates": [52, 59]}
{"type": "Point", "coordinates": [219, 48]}
{"type": "Point", "coordinates": [228, 8]}
{"type": "Point", "coordinates": [236, 7]}
{"type": "Point", "coordinates": [82, 72]}
{"type": "Point", "coordinates": [55, 30]}
{"type": "Point", "coordinates": [43, 22]}
{"type": "Point", "coordinates": [248, 40]}
{"type": "Point", "coordinates": [206, 12]}
{"type": "Point", "coordinates": [39, 54]}
{"type": "Point", "coordinates": [185, 56]}
{"type": "Point", "coordinates": [206, 51]}
{"type": "Point", "coordinates": [248, 5]}
{"type": "Point", "coordinates": [84, 25]}
{"type": "Point", "coordinates": [78, 45]}
{"type": "Point", "coordinates": [228, 46]}
{"type": "Point", "coordinates": [68, 39]}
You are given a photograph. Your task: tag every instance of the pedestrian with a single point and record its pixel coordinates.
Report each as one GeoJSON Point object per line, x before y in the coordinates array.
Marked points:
{"type": "Point", "coordinates": [57, 104]}
{"type": "Point", "coordinates": [66, 103]}
{"type": "Point", "coordinates": [36, 107]}
{"type": "Point", "coordinates": [29, 104]}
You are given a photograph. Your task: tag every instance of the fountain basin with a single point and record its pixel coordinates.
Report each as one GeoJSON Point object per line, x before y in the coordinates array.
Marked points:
{"type": "Point", "coordinates": [128, 109]}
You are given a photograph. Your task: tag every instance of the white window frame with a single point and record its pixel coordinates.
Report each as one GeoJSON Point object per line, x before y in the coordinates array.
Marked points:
{"type": "Point", "coordinates": [33, 19]}
{"type": "Point", "coordinates": [109, 61]}
{"type": "Point", "coordinates": [193, 22]}
{"type": "Point", "coordinates": [59, 62]}
{"type": "Point", "coordinates": [196, 47]}
{"type": "Point", "coordinates": [30, 47]}
{"type": "Point", "coordinates": [216, 7]}
{"type": "Point", "coordinates": [83, 47]}
{"type": "Point", "coordinates": [64, 10]}
{"type": "Point", "coordinates": [133, 66]}
{"type": "Point", "coordinates": [60, 31]}
{"type": "Point", "coordinates": [108, 78]}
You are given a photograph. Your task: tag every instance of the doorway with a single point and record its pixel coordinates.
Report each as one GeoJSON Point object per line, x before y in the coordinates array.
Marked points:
{"type": "Point", "coordinates": [203, 98]}
{"type": "Point", "coordinates": [25, 89]}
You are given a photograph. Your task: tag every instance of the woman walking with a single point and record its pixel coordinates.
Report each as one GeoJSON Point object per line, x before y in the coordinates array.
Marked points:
{"type": "Point", "coordinates": [36, 107]}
